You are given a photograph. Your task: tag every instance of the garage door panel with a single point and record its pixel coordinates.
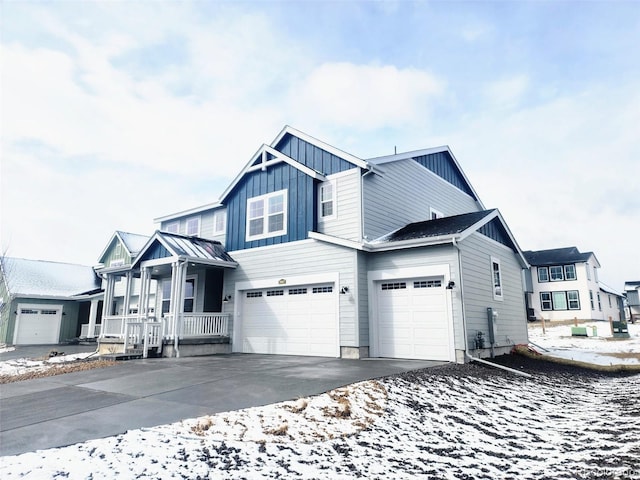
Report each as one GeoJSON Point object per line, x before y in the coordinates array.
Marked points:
{"type": "Point", "coordinates": [412, 319]}
{"type": "Point", "coordinates": [300, 321]}
{"type": "Point", "coordinates": [38, 324]}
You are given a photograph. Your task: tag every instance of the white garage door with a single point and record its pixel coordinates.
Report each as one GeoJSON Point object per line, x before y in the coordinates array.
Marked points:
{"type": "Point", "coordinates": [412, 319]}
{"type": "Point", "coordinates": [297, 320]}
{"type": "Point", "coordinates": [38, 324]}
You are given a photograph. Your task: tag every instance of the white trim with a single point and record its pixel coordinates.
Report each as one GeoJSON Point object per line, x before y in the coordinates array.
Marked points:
{"type": "Point", "coordinates": [167, 227]}
{"type": "Point", "coordinates": [343, 242]}
{"type": "Point", "coordinates": [334, 278]}
{"type": "Point", "coordinates": [221, 212]}
{"type": "Point", "coordinates": [334, 203]}
{"type": "Point", "coordinates": [190, 211]}
{"type": "Point", "coordinates": [271, 247]}
{"type": "Point", "coordinates": [265, 215]}
{"type": "Point", "coordinates": [198, 219]}
{"type": "Point", "coordinates": [438, 213]}
{"type": "Point", "coordinates": [374, 276]}
{"type": "Point", "coordinates": [38, 306]}
{"type": "Point", "coordinates": [497, 296]}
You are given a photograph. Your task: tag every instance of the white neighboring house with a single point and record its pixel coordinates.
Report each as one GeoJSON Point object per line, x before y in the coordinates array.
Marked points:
{"type": "Point", "coordinates": [632, 295]}
{"type": "Point", "coordinates": [565, 286]}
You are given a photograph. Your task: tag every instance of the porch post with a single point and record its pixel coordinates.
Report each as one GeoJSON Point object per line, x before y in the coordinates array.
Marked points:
{"type": "Point", "coordinates": [173, 311]}
{"type": "Point", "coordinates": [178, 303]}
{"type": "Point", "coordinates": [145, 287]}
{"type": "Point", "coordinates": [127, 293]}
{"type": "Point", "coordinates": [93, 314]}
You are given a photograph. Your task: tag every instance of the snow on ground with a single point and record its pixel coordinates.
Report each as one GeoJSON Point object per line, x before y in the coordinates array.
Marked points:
{"type": "Point", "coordinates": [451, 422]}
{"type": "Point", "coordinates": [599, 349]}
{"type": "Point", "coordinates": [19, 366]}
{"type": "Point", "coordinates": [4, 348]}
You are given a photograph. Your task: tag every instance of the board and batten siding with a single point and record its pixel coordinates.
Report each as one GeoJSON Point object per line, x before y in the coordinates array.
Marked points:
{"type": "Point", "coordinates": [301, 205]}
{"type": "Point", "coordinates": [424, 257]}
{"type": "Point", "coordinates": [119, 255]}
{"type": "Point", "coordinates": [312, 156]}
{"type": "Point", "coordinates": [308, 257]}
{"type": "Point", "coordinates": [404, 194]}
{"type": "Point", "coordinates": [476, 251]}
{"type": "Point", "coordinates": [346, 223]}
{"type": "Point", "coordinates": [68, 323]}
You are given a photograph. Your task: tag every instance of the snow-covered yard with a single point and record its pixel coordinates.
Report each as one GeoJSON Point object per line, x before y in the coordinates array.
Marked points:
{"type": "Point", "coordinates": [456, 421]}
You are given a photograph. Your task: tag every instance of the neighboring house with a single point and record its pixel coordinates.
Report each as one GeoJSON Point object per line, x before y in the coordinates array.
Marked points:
{"type": "Point", "coordinates": [565, 286]}
{"type": "Point", "coordinates": [116, 258]}
{"type": "Point", "coordinates": [612, 304]}
{"type": "Point", "coordinates": [313, 251]}
{"type": "Point", "coordinates": [46, 302]}
{"type": "Point", "coordinates": [632, 296]}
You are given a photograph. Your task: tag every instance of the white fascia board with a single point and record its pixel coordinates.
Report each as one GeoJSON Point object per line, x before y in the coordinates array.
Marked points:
{"type": "Point", "coordinates": [343, 242]}
{"type": "Point", "coordinates": [303, 168]}
{"type": "Point", "coordinates": [191, 211]}
{"type": "Point", "coordinates": [106, 248]}
{"type": "Point", "coordinates": [415, 242]}
{"type": "Point", "coordinates": [210, 262]}
{"type": "Point", "coordinates": [118, 269]}
{"type": "Point", "coordinates": [322, 145]}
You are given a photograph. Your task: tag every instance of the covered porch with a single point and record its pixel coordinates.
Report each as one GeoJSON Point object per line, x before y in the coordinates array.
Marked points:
{"type": "Point", "coordinates": [179, 292]}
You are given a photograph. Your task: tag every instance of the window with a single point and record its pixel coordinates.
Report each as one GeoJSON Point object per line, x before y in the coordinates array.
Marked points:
{"type": "Point", "coordinates": [570, 272]}
{"type": "Point", "coordinates": [609, 297]}
{"type": "Point", "coordinates": [193, 226]}
{"type": "Point", "coordinates": [543, 274]}
{"type": "Point", "coordinates": [266, 215]}
{"type": "Point", "coordinates": [591, 300]}
{"type": "Point", "coordinates": [297, 291]}
{"type": "Point", "coordinates": [556, 273]}
{"type": "Point", "coordinates": [545, 300]}
{"type": "Point", "coordinates": [560, 300]}
{"type": "Point", "coordinates": [172, 227]}
{"type": "Point", "coordinates": [394, 286]}
{"type": "Point", "coordinates": [327, 200]}
{"type": "Point", "coordinates": [496, 275]}
{"type": "Point", "coordinates": [588, 271]}
{"type": "Point", "coordinates": [599, 302]}
{"type": "Point", "coordinates": [219, 222]}
{"type": "Point", "coordinates": [433, 214]}
{"type": "Point", "coordinates": [322, 289]}
{"type": "Point", "coordinates": [275, 293]}
{"type": "Point", "coordinates": [189, 295]}
{"type": "Point", "coordinates": [254, 294]}
{"type": "Point", "coordinates": [427, 284]}
{"type": "Point", "coordinates": [573, 298]}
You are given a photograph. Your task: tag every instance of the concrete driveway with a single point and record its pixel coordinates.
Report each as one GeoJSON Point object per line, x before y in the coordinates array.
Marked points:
{"type": "Point", "coordinates": [75, 407]}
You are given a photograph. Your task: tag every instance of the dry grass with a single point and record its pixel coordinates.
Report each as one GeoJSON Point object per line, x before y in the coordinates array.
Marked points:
{"type": "Point", "coordinates": [278, 431]}
{"type": "Point", "coordinates": [299, 406]}
{"type": "Point", "coordinates": [57, 370]}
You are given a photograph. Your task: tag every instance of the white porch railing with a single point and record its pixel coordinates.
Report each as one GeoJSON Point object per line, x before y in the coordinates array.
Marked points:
{"type": "Point", "coordinates": [198, 325]}
{"type": "Point", "coordinates": [84, 330]}
{"type": "Point", "coordinates": [114, 325]}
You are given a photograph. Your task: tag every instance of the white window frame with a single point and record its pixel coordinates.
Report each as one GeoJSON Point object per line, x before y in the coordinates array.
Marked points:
{"type": "Point", "coordinates": [172, 227]}
{"type": "Point", "coordinates": [558, 268]}
{"type": "Point", "coordinates": [219, 216]}
{"type": "Point", "coordinates": [588, 271]}
{"type": "Point", "coordinates": [497, 288]}
{"type": "Point", "coordinates": [189, 221]}
{"type": "Point", "coordinates": [265, 216]}
{"type": "Point", "coordinates": [434, 214]}
{"type": "Point", "coordinates": [332, 200]}
{"type": "Point", "coordinates": [543, 269]}
{"type": "Point", "coordinates": [546, 298]}
{"type": "Point", "coordinates": [572, 268]}
{"type": "Point", "coordinates": [576, 299]}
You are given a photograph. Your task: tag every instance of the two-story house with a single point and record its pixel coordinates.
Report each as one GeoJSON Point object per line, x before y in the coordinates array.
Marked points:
{"type": "Point", "coordinates": [565, 286]}
{"type": "Point", "coordinates": [314, 251]}
{"type": "Point", "coordinates": [632, 300]}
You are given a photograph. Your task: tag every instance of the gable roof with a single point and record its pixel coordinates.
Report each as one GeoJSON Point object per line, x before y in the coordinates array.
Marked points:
{"type": "Point", "coordinates": [44, 279]}
{"type": "Point", "coordinates": [557, 256]}
{"type": "Point", "coordinates": [458, 177]}
{"type": "Point", "coordinates": [132, 242]}
{"type": "Point", "coordinates": [163, 245]}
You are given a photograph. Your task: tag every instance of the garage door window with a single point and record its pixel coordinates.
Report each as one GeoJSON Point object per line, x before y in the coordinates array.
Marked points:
{"type": "Point", "coordinates": [393, 286]}
{"type": "Point", "coordinates": [297, 291]}
{"type": "Point", "coordinates": [254, 294]}
{"type": "Point", "coordinates": [322, 289]}
{"type": "Point", "coordinates": [427, 284]}
{"type": "Point", "coordinates": [28, 311]}
{"type": "Point", "coordinates": [275, 293]}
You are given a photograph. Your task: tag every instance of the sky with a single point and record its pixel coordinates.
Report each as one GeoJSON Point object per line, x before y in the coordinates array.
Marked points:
{"type": "Point", "coordinates": [114, 113]}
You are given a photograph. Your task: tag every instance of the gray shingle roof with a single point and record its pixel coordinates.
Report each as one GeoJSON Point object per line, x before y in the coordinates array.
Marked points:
{"type": "Point", "coordinates": [556, 256]}
{"type": "Point", "coordinates": [435, 228]}
{"type": "Point", "coordinates": [48, 279]}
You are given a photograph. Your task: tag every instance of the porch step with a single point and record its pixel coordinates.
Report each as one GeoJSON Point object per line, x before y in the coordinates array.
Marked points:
{"type": "Point", "coordinates": [130, 354]}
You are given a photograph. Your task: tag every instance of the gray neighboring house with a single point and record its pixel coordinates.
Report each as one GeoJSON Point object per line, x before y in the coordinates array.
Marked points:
{"type": "Point", "coordinates": [44, 302]}
{"type": "Point", "coordinates": [632, 300]}
{"type": "Point", "coordinates": [313, 251]}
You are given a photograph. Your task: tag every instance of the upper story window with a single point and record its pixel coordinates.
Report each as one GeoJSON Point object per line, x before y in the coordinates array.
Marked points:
{"type": "Point", "coordinates": [327, 193]}
{"type": "Point", "coordinates": [219, 222]}
{"type": "Point", "coordinates": [543, 274]}
{"type": "Point", "coordinates": [588, 267]}
{"type": "Point", "coordinates": [433, 214]}
{"type": "Point", "coordinates": [496, 275]}
{"type": "Point", "coordinates": [556, 273]}
{"type": "Point", "coordinates": [172, 227]}
{"type": "Point", "coordinates": [267, 215]}
{"type": "Point", "coordinates": [570, 272]}
{"type": "Point", "coordinates": [193, 226]}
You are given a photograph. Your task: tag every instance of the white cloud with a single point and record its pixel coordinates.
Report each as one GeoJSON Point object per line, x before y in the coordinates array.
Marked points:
{"type": "Point", "coordinates": [366, 97]}
{"type": "Point", "coordinates": [507, 92]}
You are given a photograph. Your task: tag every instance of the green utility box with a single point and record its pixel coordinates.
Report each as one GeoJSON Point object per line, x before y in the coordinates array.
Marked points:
{"type": "Point", "coordinates": [578, 331]}
{"type": "Point", "coordinates": [619, 329]}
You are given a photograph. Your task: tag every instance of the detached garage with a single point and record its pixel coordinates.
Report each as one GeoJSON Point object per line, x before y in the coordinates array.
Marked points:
{"type": "Point", "coordinates": [43, 302]}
